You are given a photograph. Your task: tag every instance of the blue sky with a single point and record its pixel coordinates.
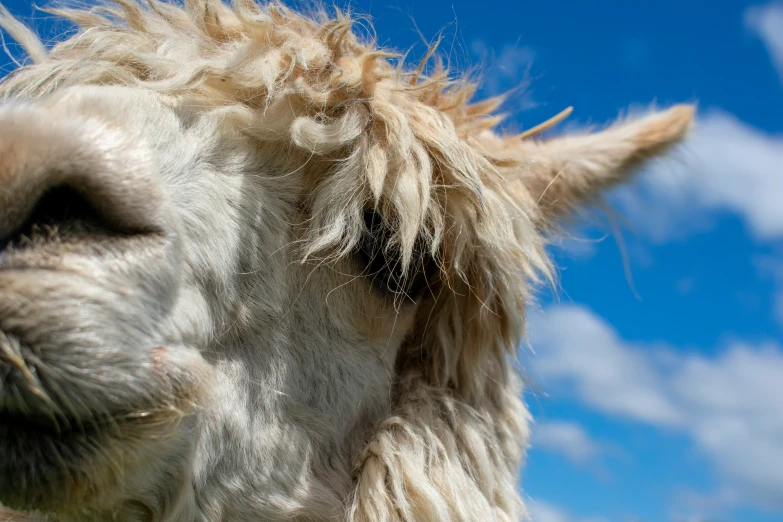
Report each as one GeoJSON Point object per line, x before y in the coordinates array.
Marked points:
{"type": "Point", "coordinates": [659, 365]}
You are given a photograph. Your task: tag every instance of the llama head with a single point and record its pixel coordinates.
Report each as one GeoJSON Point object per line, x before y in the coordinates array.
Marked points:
{"type": "Point", "coordinates": [252, 270]}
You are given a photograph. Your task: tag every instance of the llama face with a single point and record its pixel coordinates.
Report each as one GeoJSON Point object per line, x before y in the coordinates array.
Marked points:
{"type": "Point", "coordinates": [251, 270]}
{"type": "Point", "coordinates": [152, 290]}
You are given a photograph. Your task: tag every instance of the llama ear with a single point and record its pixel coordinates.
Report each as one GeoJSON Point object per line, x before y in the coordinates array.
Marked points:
{"type": "Point", "coordinates": [568, 171]}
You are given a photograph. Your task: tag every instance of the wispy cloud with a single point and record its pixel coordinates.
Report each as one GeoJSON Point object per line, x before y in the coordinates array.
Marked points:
{"type": "Point", "coordinates": [767, 22]}
{"type": "Point", "coordinates": [506, 69]}
{"type": "Point", "coordinates": [541, 511]}
{"type": "Point", "coordinates": [726, 165]}
{"type": "Point", "coordinates": [728, 404]}
{"type": "Point", "coordinates": [568, 439]}
{"type": "Point", "coordinates": [545, 512]}
{"type": "Point", "coordinates": [695, 506]}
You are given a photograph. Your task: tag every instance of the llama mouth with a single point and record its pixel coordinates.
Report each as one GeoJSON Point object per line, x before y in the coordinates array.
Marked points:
{"type": "Point", "coordinates": [36, 460]}
{"type": "Point", "coordinates": [30, 430]}
{"type": "Point", "coordinates": [26, 421]}
{"type": "Point", "coordinates": [54, 458]}
{"type": "Point", "coordinates": [70, 431]}
{"type": "Point", "coordinates": [67, 439]}
{"type": "Point", "coordinates": [45, 459]}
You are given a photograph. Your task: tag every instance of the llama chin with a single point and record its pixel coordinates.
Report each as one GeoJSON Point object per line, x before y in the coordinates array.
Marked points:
{"type": "Point", "coordinates": [251, 269]}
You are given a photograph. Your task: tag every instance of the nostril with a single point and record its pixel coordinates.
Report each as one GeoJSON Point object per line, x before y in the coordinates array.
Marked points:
{"type": "Point", "coordinates": [60, 211]}
{"type": "Point", "coordinates": [62, 205]}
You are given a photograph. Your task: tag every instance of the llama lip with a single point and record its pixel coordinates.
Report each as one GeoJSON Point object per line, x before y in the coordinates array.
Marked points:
{"type": "Point", "coordinates": [51, 461]}
{"type": "Point", "coordinates": [29, 409]}
{"type": "Point", "coordinates": [53, 452]}
{"type": "Point", "coordinates": [36, 460]}
{"type": "Point", "coordinates": [29, 428]}
{"type": "Point", "coordinates": [42, 458]}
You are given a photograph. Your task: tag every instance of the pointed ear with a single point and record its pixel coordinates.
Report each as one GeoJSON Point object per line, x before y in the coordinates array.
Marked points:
{"type": "Point", "coordinates": [569, 171]}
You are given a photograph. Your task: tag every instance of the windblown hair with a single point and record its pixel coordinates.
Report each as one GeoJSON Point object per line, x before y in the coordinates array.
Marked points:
{"type": "Point", "coordinates": [369, 134]}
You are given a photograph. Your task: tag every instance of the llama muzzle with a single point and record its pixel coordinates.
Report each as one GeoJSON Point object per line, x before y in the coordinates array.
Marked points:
{"type": "Point", "coordinates": [89, 271]}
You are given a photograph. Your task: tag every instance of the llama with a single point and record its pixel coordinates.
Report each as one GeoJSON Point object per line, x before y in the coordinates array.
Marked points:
{"type": "Point", "coordinates": [253, 268]}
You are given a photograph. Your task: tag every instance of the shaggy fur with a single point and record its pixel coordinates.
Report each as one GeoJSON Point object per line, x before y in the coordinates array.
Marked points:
{"type": "Point", "coordinates": [243, 148]}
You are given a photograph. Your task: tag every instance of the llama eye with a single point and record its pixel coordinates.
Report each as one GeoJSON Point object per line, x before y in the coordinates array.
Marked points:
{"type": "Point", "coordinates": [382, 264]}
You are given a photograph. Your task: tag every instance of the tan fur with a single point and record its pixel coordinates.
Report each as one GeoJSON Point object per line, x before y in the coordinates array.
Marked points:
{"type": "Point", "coordinates": [364, 132]}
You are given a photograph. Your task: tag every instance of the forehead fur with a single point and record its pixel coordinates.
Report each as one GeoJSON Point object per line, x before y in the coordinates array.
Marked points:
{"type": "Point", "coordinates": [380, 135]}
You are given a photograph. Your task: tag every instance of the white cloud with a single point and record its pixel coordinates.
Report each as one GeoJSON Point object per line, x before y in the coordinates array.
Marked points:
{"type": "Point", "coordinates": [575, 346]}
{"type": "Point", "coordinates": [729, 405]}
{"type": "Point", "coordinates": [506, 70]}
{"type": "Point", "coordinates": [545, 512]}
{"type": "Point", "coordinates": [694, 506]}
{"type": "Point", "coordinates": [568, 439]}
{"type": "Point", "coordinates": [767, 22]}
{"type": "Point", "coordinates": [725, 165]}
{"type": "Point", "coordinates": [541, 511]}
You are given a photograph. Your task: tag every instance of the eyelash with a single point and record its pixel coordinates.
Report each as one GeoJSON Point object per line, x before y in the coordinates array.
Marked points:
{"type": "Point", "coordinates": [382, 264]}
